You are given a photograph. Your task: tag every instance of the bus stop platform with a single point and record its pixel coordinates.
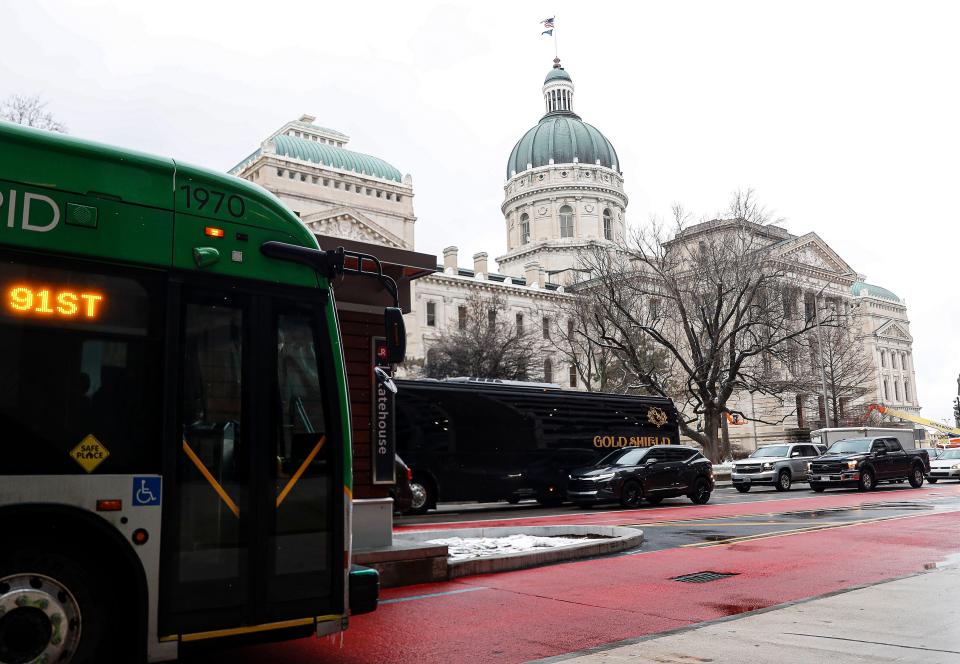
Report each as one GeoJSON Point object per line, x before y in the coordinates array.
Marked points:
{"type": "Point", "coordinates": [912, 619]}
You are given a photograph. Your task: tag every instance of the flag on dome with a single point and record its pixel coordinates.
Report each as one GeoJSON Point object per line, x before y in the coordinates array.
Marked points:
{"type": "Point", "coordinates": [547, 23]}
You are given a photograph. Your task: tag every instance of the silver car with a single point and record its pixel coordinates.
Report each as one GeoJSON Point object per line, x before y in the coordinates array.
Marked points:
{"type": "Point", "coordinates": [945, 467]}
{"type": "Point", "coordinates": [778, 465]}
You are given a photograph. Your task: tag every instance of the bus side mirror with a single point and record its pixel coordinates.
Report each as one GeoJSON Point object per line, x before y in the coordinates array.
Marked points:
{"type": "Point", "coordinates": [396, 335]}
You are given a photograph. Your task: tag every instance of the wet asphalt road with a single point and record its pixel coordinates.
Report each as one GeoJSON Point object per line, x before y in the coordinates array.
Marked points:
{"type": "Point", "coordinates": [770, 548]}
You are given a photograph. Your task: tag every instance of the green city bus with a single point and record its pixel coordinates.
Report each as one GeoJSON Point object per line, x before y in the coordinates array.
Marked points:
{"type": "Point", "coordinates": [175, 464]}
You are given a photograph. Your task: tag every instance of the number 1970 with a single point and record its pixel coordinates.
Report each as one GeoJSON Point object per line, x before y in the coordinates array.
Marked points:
{"type": "Point", "coordinates": [200, 197]}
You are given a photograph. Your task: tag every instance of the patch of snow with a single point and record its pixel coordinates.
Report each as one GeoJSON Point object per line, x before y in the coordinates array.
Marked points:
{"type": "Point", "coordinates": [464, 548]}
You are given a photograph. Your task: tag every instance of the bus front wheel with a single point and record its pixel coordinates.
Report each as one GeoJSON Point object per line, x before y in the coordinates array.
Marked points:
{"type": "Point", "coordinates": [48, 610]}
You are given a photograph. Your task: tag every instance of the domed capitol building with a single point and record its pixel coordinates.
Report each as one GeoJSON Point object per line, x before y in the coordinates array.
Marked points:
{"type": "Point", "coordinates": [564, 193]}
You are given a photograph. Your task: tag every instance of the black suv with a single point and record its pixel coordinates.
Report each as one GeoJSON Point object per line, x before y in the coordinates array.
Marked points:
{"type": "Point", "coordinates": [633, 474]}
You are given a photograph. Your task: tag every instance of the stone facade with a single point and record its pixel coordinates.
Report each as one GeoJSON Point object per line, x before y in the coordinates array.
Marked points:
{"type": "Point", "coordinates": [555, 206]}
{"type": "Point", "coordinates": [334, 191]}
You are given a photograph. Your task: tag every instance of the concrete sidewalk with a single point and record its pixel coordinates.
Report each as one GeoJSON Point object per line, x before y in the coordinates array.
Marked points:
{"type": "Point", "coordinates": [916, 619]}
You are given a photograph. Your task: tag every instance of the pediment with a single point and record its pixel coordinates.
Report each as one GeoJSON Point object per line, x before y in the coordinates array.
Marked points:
{"type": "Point", "coordinates": [811, 251]}
{"type": "Point", "coordinates": [893, 330]}
{"type": "Point", "coordinates": [351, 224]}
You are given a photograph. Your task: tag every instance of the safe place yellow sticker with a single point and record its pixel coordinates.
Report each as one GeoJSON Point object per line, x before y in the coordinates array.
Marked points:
{"type": "Point", "coordinates": [89, 453]}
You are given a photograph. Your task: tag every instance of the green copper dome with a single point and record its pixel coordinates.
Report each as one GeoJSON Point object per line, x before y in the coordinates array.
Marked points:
{"type": "Point", "coordinates": [557, 73]}
{"type": "Point", "coordinates": [562, 137]}
{"type": "Point", "coordinates": [331, 155]}
{"type": "Point", "coordinates": [873, 291]}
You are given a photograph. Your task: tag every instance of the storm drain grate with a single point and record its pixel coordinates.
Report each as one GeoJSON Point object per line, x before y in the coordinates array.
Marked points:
{"type": "Point", "coordinates": [703, 577]}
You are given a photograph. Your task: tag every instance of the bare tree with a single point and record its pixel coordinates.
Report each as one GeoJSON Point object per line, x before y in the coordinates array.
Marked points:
{"type": "Point", "coordinates": [30, 111]}
{"type": "Point", "coordinates": [598, 365]}
{"type": "Point", "coordinates": [848, 371]}
{"type": "Point", "coordinates": [484, 343]}
{"type": "Point", "coordinates": [711, 297]}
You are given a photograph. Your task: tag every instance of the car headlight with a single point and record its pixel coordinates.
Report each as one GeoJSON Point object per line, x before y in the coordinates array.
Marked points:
{"type": "Point", "coordinates": [768, 466]}
{"type": "Point", "coordinates": [604, 477]}
{"type": "Point", "coordinates": [955, 466]}
{"type": "Point", "coordinates": [809, 466]}
{"type": "Point", "coordinates": [851, 465]}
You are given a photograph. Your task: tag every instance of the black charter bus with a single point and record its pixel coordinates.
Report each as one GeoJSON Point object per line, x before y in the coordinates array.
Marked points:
{"type": "Point", "coordinates": [470, 439]}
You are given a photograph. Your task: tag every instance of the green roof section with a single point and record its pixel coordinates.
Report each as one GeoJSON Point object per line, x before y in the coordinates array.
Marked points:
{"type": "Point", "coordinates": [335, 157]}
{"type": "Point", "coordinates": [873, 291]}
{"type": "Point", "coordinates": [563, 137]}
{"type": "Point", "coordinates": [557, 73]}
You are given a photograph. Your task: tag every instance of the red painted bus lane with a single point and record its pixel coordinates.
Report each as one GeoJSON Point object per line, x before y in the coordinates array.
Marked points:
{"type": "Point", "coordinates": [534, 613]}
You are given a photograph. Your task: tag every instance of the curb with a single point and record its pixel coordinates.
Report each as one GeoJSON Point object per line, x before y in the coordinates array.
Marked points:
{"type": "Point", "coordinates": [616, 539]}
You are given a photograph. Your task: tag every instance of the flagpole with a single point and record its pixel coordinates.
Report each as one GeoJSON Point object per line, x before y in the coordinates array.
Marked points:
{"type": "Point", "coordinates": [555, 55]}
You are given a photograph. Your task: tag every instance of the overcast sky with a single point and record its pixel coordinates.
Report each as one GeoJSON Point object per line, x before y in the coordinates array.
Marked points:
{"type": "Point", "coordinates": [843, 116]}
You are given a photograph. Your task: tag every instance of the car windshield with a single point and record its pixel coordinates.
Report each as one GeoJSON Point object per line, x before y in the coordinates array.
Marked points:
{"type": "Point", "coordinates": [950, 454]}
{"type": "Point", "coordinates": [852, 445]}
{"type": "Point", "coordinates": [771, 451]}
{"type": "Point", "coordinates": [628, 456]}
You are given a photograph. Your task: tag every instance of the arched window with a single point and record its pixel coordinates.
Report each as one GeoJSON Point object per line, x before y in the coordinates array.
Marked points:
{"type": "Point", "coordinates": [566, 221]}
{"type": "Point", "coordinates": [607, 224]}
{"type": "Point", "coordinates": [524, 228]}
{"type": "Point", "coordinates": [547, 371]}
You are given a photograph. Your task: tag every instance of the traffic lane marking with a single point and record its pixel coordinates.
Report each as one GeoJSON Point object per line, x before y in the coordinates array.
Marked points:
{"type": "Point", "coordinates": [611, 517]}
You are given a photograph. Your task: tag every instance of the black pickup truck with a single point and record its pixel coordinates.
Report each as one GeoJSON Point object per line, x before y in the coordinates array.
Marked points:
{"type": "Point", "coordinates": [865, 462]}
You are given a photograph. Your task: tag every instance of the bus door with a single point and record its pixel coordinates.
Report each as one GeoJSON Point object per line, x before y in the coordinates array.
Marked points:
{"type": "Point", "coordinates": [255, 463]}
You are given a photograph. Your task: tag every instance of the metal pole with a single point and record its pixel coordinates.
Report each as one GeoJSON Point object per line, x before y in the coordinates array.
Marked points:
{"type": "Point", "coordinates": [823, 374]}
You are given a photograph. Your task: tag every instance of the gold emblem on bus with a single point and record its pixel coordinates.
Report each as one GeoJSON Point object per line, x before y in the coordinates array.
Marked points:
{"type": "Point", "coordinates": [656, 417]}
{"type": "Point", "coordinates": [89, 453]}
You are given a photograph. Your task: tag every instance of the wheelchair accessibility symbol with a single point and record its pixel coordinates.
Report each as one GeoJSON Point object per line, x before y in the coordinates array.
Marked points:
{"type": "Point", "coordinates": [146, 491]}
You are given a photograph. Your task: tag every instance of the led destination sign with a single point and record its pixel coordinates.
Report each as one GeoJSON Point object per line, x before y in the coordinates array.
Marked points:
{"type": "Point", "coordinates": [100, 302]}
{"type": "Point", "coordinates": [38, 300]}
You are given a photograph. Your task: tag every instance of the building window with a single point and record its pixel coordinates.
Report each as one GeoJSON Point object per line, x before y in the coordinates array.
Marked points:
{"type": "Point", "coordinates": [883, 358]}
{"type": "Point", "coordinates": [886, 390]}
{"type": "Point", "coordinates": [314, 178]}
{"type": "Point", "coordinates": [896, 389]}
{"type": "Point", "coordinates": [570, 328]}
{"type": "Point", "coordinates": [546, 328]}
{"type": "Point", "coordinates": [399, 198]}
{"type": "Point", "coordinates": [279, 172]}
{"type": "Point", "coordinates": [519, 325]}
{"type": "Point", "coordinates": [303, 177]}
{"type": "Point", "coordinates": [431, 314]}
{"type": "Point", "coordinates": [566, 221]}
{"type": "Point", "coordinates": [291, 174]}
{"type": "Point", "coordinates": [336, 184]}
{"type": "Point", "coordinates": [461, 317]}
{"type": "Point", "coordinates": [326, 182]}
{"type": "Point", "coordinates": [607, 225]}
{"type": "Point", "coordinates": [547, 371]}
{"type": "Point", "coordinates": [491, 317]}
{"type": "Point", "coordinates": [573, 376]}
{"type": "Point", "coordinates": [800, 411]}
{"type": "Point", "coordinates": [654, 308]}
{"type": "Point", "coordinates": [906, 390]}
{"type": "Point", "coordinates": [524, 228]}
